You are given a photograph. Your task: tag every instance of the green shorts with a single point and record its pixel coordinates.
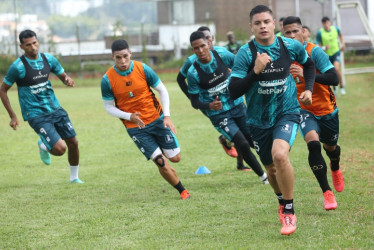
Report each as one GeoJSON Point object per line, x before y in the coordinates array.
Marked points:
{"type": "Point", "coordinates": [154, 137]}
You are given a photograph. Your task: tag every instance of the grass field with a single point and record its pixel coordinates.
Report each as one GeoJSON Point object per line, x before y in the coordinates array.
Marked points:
{"type": "Point", "coordinates": [125, 204]}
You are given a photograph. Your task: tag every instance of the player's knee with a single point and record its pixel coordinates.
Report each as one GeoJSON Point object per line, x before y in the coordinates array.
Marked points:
{"type": "Point", "coordinates": [159, 161]}
{"type": "Point", "coordinates": [333, 154]}
{"type": "Point", "coordinates": [175, 158]}
{"type": "Point", "coordinates": [59, 149]}
{"type": "Point", "coordinates": [279, 157]}
{"type": "Point", "coordinates": [314, 146]}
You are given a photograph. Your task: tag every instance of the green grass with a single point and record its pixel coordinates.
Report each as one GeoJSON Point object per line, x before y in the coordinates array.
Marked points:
{"type": "Point", "coordinates": [125, 204]}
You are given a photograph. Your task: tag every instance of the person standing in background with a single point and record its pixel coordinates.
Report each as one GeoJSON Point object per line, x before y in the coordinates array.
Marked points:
{"type": "Point", "coordinates": [331, 40]}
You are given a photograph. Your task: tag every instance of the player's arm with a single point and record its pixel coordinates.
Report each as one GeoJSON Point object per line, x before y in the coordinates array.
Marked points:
{"type": "Point", "coordinates": [116, 112]}
{"type": "Point", "coordinates": [165, 102]}
{"type": "Point", "coordinates": [326, 74]}
{"type": "Point", "coordinates": [182, 84]}
{"type": "Point", "coordinates": [330, 77]}
{"type": "Point", "coordinates": [216, 104]}
{"type": "Point", "coordinates": [58, 70]}
{"type": "Point", "coordinates": [66, 79]}
{"type": "Point", "coordinates": [342, 45]}
{"type": "Point", "coordinates": [196, 103]}
{"type": "Point", "coordinates": [5, 100]}
{"type": "Point", "coordinates": [239, 86]}
{"type": "Point", "coordinates": [309, 74]}
{"type": "Point", "coordinates": [108, 100]}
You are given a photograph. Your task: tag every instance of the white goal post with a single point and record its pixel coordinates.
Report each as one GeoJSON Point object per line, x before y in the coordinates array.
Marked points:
{"type": "Point", "coordinates": [357, 5]}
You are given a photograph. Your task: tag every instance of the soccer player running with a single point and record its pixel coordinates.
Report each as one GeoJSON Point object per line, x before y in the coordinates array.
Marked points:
{"type": "Point", "coordinates": [331, 39]}
{"type": "Point", "coordinates": [126, 93]}
{"type": "Point", "coordinates": [181, 79]}
{"type": "Point", "coordinates": [39, 105]}
{"type": "Point", "coordinates": [261, 72]}
{"type": "Point", "coordinates": [208, 78]}
{"type": "Point", "coordinates": [320, 120]}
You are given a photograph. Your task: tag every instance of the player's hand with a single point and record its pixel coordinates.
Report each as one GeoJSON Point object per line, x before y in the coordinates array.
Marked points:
{"type": "Point", "coordinates": [306, 97]}
{"type": "Point", "coordinates": [14, 123]}
{"type": "Point", "coordinates": [68, 81]}
{"type": "Point", "coordinates": [342, 47]}
{"type": "Point", "coordinates": [169, 123]}
{"type": "Point", "coordinates": [296, 70]}
{"type": "Point", "coordinates": [261, 61]}
{"type": "Point", "coordinates": [216, 104]}
{"type": "Point", "coordinates": [136, 119]}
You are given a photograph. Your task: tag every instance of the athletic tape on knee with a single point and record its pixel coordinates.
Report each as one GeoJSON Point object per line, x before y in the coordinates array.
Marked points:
{"type": "Point", "coordinates": [159, 160]}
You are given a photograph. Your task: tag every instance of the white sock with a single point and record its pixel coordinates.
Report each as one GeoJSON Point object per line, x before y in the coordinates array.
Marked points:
{"type": "Point", "coordinates": [264, 177]}
{"type": "Point", "coordinates": [74, 172]}
{"type": "Point", "coordinates": [43, 147]}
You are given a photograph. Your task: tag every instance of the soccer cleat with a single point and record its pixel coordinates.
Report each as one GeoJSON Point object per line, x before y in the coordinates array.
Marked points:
{"type": "Point", "coordinates": [44, 155]}
{"type": "Point", "coordinates": [337, 180]}
{"type": "Point", "coordinates": [329, 200]}
{"type": "Point", "coordinates": [280, 212]}
{"type": "Point", "coordinates": [78, 181]}
{"type": "Point", "coordinates": [185, 195]}
{"type": "Point", "coordinates": [242, 167]}
{"type": "Point", "coordinates": [342, 91]}
{"type": "Point", "coordinates": [288, 224]}
{"type": "Point", "coordinates": [230, 150]}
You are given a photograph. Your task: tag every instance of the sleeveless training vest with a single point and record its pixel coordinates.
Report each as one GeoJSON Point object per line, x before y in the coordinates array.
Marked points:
{"type": "Point", "coordinates": [330, 38]}
{"type": "Point", "coordinates": [133, 94]}
{"type": "Point", "coordinates": [219, 76]}
{"type": "Point", "coordinates": [323, 98]}
{"type": "Point", "coordinates": [33, 76]}
{"type": "Point", "coordinates": [278, 70]}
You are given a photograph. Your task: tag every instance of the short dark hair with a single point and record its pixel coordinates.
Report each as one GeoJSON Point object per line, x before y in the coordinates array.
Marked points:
{"type": "Point", "coordinates": [203, 28]}
{"type": "Point", "coordinates": [306, 27]}
{"type": "Point", "coordinates": [325, 19]}
{"type": "Point", "coordinates": [26, 34]}
{"type": "Point", "coordinates": [197, 35]}
{"type": "Point", "coordinates": [259, 9]}
{"type": "Point", "coordinates": [292, 19]}
{"type": "Point", "coordinates": [281, 19]}
{"type": "Point", "coordinates": [119, 45]}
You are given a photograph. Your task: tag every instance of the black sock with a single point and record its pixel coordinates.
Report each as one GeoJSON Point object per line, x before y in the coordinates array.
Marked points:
{"type": "Point", "coordinates": [179, 187]}
{"type": "Point", "coordinates": [280, 198]}
{"type": "Point", "coordinates": [334, 157]}
{"type": "Point", "coordinates": [243, 147]}
{"type": "Point", "coordinates": [288, 207]}
{"type": "Point", "coordinates": [318, 164]}
{"type": "Point", "coordinates": [239, 160]}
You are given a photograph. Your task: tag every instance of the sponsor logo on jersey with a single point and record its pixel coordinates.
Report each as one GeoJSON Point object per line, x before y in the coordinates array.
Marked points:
{"type": "Point", "coordinates": [39, 76]}
{"type": "Point", "coordinates": [272, 70]}
{"type": "Point", "coordinates": [272, 91]}
{"type": "Point", "coordinates": [35, 89]}
{"type": "Point", "coordinates": [215, 77]}
{"type": "Point", "coordinates": [220, 88]}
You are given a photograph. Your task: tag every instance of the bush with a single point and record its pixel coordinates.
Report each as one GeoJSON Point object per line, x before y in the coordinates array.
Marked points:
{"type": "Point", "coordinates": [5, 62]}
